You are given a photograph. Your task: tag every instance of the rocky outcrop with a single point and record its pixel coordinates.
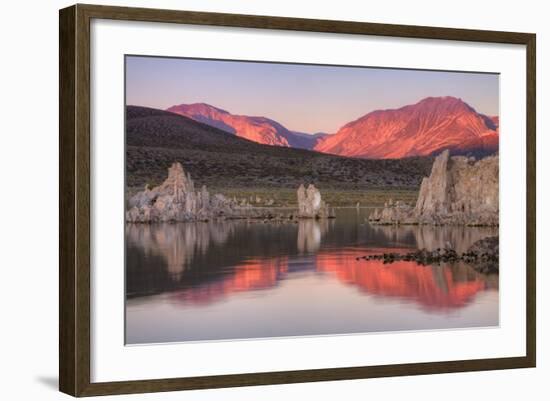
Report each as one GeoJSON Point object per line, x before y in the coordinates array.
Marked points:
{"type": "Point", "coordinates": [177, 200]}
{"type": "Point", "coordinates": [394, 213]}
{"type": "Point", "coordinates": [310, 204]}
{"type": "Point", "coordinates": [459, 191]}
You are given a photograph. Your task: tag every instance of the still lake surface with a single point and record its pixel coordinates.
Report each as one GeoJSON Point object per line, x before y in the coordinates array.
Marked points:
{"type": "Point", "coordinates": [238, 280]}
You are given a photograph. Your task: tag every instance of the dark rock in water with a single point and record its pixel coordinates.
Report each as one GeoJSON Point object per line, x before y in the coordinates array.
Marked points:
{"type": "Point", "coordinates": [483, 256]}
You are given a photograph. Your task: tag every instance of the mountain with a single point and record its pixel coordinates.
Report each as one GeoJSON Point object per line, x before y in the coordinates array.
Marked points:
{"type": "Point", "coordinates": [424, 128]}
{"type": "Point", "coordinates": [156, 138]}
{"type": "Point", "coordinates": [258, 129]}
{"type": "Point", "coordinates": [146, 127]}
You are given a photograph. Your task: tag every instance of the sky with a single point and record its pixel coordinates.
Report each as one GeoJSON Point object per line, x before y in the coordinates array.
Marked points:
{"type": "Point", "coordinates": [303, 97]}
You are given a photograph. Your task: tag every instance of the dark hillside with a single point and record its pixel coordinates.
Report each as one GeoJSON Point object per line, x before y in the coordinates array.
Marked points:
{"type": "Point", "coordinates": [156, 138]}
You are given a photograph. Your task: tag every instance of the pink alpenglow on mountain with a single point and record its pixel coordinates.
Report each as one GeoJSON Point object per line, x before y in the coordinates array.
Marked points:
{"type": "Point", "coordinates": [258, 129]}
{"type": "Point", "coordinates": [425, 128]}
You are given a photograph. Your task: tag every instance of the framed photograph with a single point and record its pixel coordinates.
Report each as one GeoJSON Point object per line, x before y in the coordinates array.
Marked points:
{"type": "Point", "coordinates": [250, 200]}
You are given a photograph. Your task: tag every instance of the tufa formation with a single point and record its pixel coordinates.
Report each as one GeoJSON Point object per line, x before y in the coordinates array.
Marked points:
{"type": "Point", "coordinates": [177, 200]}
{"type": "Point", "coordinates": [310, 204]}
{"type": "Point", "coordinates": [459, 191]}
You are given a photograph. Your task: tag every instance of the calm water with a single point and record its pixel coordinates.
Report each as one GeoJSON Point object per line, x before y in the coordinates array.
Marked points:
{"type": "Point", "coordinates": [235, 280]}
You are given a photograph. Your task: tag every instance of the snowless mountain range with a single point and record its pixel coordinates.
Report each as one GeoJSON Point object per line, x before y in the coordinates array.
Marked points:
{"type": "Point", "coordinates": [425, 128]}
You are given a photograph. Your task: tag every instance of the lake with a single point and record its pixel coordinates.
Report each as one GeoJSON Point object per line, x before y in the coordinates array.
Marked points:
{"type": "Point", "coordinates": [239, 280]}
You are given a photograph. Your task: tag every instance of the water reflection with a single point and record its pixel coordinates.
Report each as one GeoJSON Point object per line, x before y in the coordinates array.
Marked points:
{"type": "Point", "coordinates": [310, 233]}
{"type": "Point", "coordinates": [432, 287]}
{"type": "Point", "coordinates": [201, 263]}
{"type": "Point", "coordinates": [458, 237]}
{"type": "Point", "coordinates": [250, 276]}
{"type": "Point", "coordinates": [177, 244]}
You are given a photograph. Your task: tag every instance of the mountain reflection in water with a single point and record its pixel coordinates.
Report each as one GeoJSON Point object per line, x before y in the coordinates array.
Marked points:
{"type": "Point", "coordinates": [190, 266]}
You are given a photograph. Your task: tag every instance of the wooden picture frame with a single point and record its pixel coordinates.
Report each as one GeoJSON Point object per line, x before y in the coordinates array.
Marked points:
{"type": "Point", "coordinates": [75, 207]}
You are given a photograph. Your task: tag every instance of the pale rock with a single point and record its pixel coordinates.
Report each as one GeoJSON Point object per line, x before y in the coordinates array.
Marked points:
{"type": "Point", "coordinates": [459, 191]}
{"type": "Point", "coordinates": [310, 204]}
{"type": "Point", "coordinates": [177, 200]}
